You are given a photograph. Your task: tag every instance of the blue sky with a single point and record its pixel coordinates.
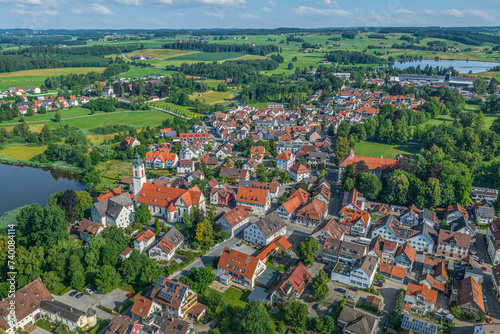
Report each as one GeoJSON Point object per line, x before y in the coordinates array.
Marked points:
{"type": "Point", "coordinates": [155, 14]}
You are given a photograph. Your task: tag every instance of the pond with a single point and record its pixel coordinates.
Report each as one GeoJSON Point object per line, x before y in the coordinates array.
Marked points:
{"type": "Point", "coordinates": [22, 185]}
{"type": "Point", "coordinates": [462, 66]}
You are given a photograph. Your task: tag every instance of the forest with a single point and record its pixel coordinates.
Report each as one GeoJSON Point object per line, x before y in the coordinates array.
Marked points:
{"type": "Point", "coordinates": [55, 57]}
{"type": "Point", "coordinates": [352, 57]}
{"type": "Point", "coordinates": [260, 50]}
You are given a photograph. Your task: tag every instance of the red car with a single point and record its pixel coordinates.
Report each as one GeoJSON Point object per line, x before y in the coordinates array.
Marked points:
{"type": "Point", "coordinates": [484, 268]}
{"type": "Point", "coordinates": [130, 294]}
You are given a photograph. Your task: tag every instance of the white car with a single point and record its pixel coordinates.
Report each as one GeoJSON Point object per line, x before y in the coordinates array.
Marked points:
{"type": "Point", "coordinates": [350, 297]}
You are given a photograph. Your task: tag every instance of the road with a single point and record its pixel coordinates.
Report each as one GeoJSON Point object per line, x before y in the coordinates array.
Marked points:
{"type": "Point", "coordinates": [337, 194]}
{"type": "Point", "coordinates": [126, 58]}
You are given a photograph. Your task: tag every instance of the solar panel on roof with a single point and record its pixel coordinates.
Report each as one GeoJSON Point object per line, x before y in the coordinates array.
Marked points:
{"type": "Point", "coordinates": [159, 282]}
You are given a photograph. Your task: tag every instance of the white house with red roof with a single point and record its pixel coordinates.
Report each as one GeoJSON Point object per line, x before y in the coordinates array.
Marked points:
{"type": "Point", "coordinates": [239, 267]}
{"type": "Point", "coordinates": [161, 159]}
{"type": "Point", "coordinates": [167, 245]}
{"type": "Point", "coordinates": [292, 284]}
{"type": "Point", "coordinates": [285, 160]}
{"type": "Point", "coordinates": [144, 240]}
{"type": "Point", "coordinates": [234, 221]}
{"type": "Point", "coordinates": [298, 172]}
{"type": "Point", "coordinates": [375, 165]}
{"type": "Point", "coordinates": [131, 141]}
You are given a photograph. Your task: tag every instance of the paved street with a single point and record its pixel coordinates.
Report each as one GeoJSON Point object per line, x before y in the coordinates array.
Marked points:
{"type": "Point", "coordinates": [336, 194]}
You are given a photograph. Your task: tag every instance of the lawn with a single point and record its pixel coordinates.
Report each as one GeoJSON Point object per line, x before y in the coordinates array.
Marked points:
{"type": "Point", "coordinates": [368, 149]}
{"type": "Point", "coordinates": [37, 77]}
{"type": "Point", "coordinates": [234, 296]}
{"type": "Point", "coordinates": [213, 97]}
{"type": "Point", "coordinates": [22, 152]}
{"type": "Point", "coordinates": [115, 169]}
{"type": "Point", "coordinates": [82, 119]}
{"type": "Point", "coordinates": [99, 139]}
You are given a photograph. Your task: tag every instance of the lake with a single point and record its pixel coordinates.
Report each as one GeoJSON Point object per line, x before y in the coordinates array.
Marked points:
{"type": "Point", "coordinates": [462, 66]}
{"type": "Point", "coordinates": [28, 185]}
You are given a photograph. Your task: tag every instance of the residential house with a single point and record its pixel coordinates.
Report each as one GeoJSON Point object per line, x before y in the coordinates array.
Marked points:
{"type": "Point", "coordinates": [422, 239]}
{"type": "Point", "coordinates": [273, 186]}
{"type": "Point", "coordinates": [265, 229]}
{"type": "Point", "coordinates": [239, 267]}
{"type": "Point", "coordinates": [469, 296]}
{"type": "Point", "coordinates": [353, 200]}
{"type": "Point", "coordinates": [360, 274]}
{"type": "Point", "coordinates": [185, 167]}
{"type": "Point", "coordinates": [166, 133]}
{"type": "Point", "coordinates": [161, 159]}
{"type": "Point", "coordinates": [176, 298]}
{"type": "Point", "coordinates": [234, 173]}
{"type": "Point", "coordinates": [420, 299]}
{"type": "Point", "coordinates": [117, 211]}
{"type": "Point", "coordinates": [130, 141]}
{"type": "Point", "coordinates": [292, 284]}
{"type": "Point", "coordinates": [453, 244]}
{"type": "Point", "coordinates": [87, 229]}
{"type": "Point", "coordinates": [285, 160]}
{"type": "Point", "coordinates": [335, 250]}
{"type": "Point", "coordinates": [455, 211]}
{"type": "Point", "coordinates": [429, 217]}
{"type": "Point", "coordinates": [164, 323]}
{"type": "Point", "coordinates": [461, 225]}
{"type": "Point", "coordinates": [222, 195]}
{"type": "Point", "coordinates": [144, 240]}
{"type": "Point", "coordinates": [234, 221]}
{"type": "Point", "coordinates": [312, 213]}
{"type": "Point", "coordinates": [432, 283]}
{"type": "Point", "coordinates": [74, 319]}
{"type": "Point", "coordinates": [288, 209]}
{"type": "Point", "coordinates": [495, 280]}
{"type": "Point", "coordinates": [393, 272]}
{"type": "Point", "coordinates": [144, 308]}
{"type": "Point", "coordinates": [410, 216]}
{"type": "Point", "coordinates": [487, 329]}
{"type": "Point", "coordinates": [383, 249]}
{"type": "Point", "coordinates": [485, 214]}
{"type": "Point", "coordinates": [165, 248]}
{"type": "Point", "coordinates": [417, 325]}
{"type": "Point", "coordinates": [355, 321]}
{"type": "Point", "coordinates": [107, 92]}
{"type": "Point", "coordinates": [493, 241]}
{"type": "Point", "coordinates": [257, 200]}
{"type": "Point", "coordinates": [298, 172]}
{"type": "Point", "coordinates": [479, 194]}
{"type": "Point", "coordinates": [196, 136]}
{"type": "Point", "coordinates": [328, 229]}
{"type": "Point", "coordinates": [191, 150]}
{"type": "Point", "coordinates": [355, 222]}
{"type": "Point", "coordinates": [405, 256]}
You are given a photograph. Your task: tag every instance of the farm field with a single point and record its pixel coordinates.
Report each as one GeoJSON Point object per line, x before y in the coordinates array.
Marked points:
{"type": "Point", "coordinates": [22, 152]}
{"type": "Point", "coordinates": [213, 97]}
{"type": "Point", "coordinates": [82, 119]}
{"type": "Point", "coordinates": [369, 149]}
{"type": "Point", "coordinates": [37, 77]}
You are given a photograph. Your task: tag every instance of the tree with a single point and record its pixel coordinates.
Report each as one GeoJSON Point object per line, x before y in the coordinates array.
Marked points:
{"type": "Point", "coordinates": [41, 227]}
{"type": "Point", "coordinates": [57, 117]}
{"type": "Point", "coordinates": [76, 272]}
{"type": "Point", "coordinates": [397, 187]}
{"type": "Point", "coordinates": [296, 314]}
{"type": "Point", "coordinates": [85, 202]}
{"type": "Point", "coordinates": [51, 280]}
{"type": "Point", "coordinates": [200, 231]}
{"type": "Point", "coordinates": [157, 225]}
{"type": "Point", "coordinates": [142, 214]}
{"type": "Point", "coordinates": [255, 319]}
{"type": "Point", "coordinates": [341, 148]}
{"type": "Point", "coordinates": [343, 129]}
{"type": "Point", "coordinates": [109, 254]}
{"type": "Point", "coordinates": [369, 185]}
{"type": "Point", "coordinates": [69, 202]}
{"type": "Point", "coordinates": [319, 286]}
{"type": "Point", "coordinates": [107, 279]}
{"type": "Point", "coordinates": [290, 66]}
{"type": "Point", "coordinates": [308, 250]}
{"type": "Point", "coordinates": [480, 86]}
{"type": "Point", "coordinates": [493, 86]}
{"type": "Point", "coordinates": [201, 184]}
{"type": "Point", "coordinates": [433, 193]}
{"type": "Point", "coordinates": [29, 264]}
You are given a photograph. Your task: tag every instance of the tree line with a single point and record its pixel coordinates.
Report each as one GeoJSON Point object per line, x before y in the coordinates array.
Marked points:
{"type": "Point", "coordinates": [260, 50]}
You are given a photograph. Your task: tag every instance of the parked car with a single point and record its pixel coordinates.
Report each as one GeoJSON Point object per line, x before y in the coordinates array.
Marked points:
{"type": "Point", "coordinates": [239, 244]}
{"type": "Point", "coordinates": [130, 294]}
{"type": "Point", "coordinates": [287, 255]}
{"type": "Point", "coordinates": [74, 293]}
{"type": "Point", "coordinates": [353, 288]}
{"type": "Point", "coordinates": [340, 290]}
{"type": "Point", "coordinates": [350, 297]}
{"type": "Point", "coordinates": [80, 295]}
{"type": "Point", "coordinates": [206, 321]}
{"type": "Point", "coordinates": [481, 262]}
{"type": "Point", "coordinates": [490, 320]}
{"type": "Point", "coordinates": [472, 252]}
{"type": "Point", "coordinates": [484, 268]}
{"type": "Point", "coordinates": [484, 299]}
{"type": "Point", "coordinates": [330, 311]}
{"type": "Point", "coordinates": [88, 291]}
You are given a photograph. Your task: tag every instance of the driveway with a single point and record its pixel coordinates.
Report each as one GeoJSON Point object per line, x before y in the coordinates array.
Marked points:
{"type": "Point", "coordinates": [39, 330]}
{"type": "Point", "coordinates": [110, 300]}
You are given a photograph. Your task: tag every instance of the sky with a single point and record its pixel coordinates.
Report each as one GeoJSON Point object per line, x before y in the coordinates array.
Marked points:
{"type": "Point", "coordinates": [195, 14]}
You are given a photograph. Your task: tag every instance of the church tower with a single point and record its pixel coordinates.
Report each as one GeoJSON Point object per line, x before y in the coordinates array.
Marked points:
{"type": "Point", "coordinates": [138, 174]}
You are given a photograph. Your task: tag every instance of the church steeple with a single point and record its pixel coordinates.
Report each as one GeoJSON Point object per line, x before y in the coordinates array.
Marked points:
{"type": "Point", "coordinates": [138, 174]}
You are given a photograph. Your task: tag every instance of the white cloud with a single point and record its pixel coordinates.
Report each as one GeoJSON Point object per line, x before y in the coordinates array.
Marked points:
{"type": "Point", "coordinates": [127, 2]}
{"type": "Point", "coordinates": [266, 9]}
{"type": "Point", "coordinates": [218, 15]}
{"type": "Point", "coordinates": [270, 3]}
{"type": "Point", "coordinates": [462, 13]}
{"type": "Point", "coordinates": [249, 16]}
{"type": "Point", "coordinates": [403, 11]}
{"type": "Point", "coordinates": [232, 3]}
{"type": "Point", "coordinates": [328, 3]}
{"type": "Point", "coordinates": [102, 10]}
{"type": "Point", "coordinates": [304, 10]}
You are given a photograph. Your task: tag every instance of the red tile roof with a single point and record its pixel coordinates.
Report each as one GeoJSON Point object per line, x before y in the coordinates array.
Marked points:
{"type": "Point", "coordinates": [422, 289]}
{"type": "Point", "coordinates": [238, 263]}
{"type": "Point", "coordinates": [372, 163]}
{"type": "Point", "coordinates": [145, 236]}
{"type": "Point", "coordinates": [252, 195]}
{"type": "Point", "coordinates": [236, 216]}
{"type": "Point", "coordinates": [393, 270]}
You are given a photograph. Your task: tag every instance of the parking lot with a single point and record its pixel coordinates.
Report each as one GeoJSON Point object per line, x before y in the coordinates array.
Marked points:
{"type": "Point", "coordinates": [110, 300]}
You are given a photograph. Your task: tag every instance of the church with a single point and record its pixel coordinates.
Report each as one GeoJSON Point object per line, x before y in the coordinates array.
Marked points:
{"type": "Point", "coordinates": [164, 202]}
